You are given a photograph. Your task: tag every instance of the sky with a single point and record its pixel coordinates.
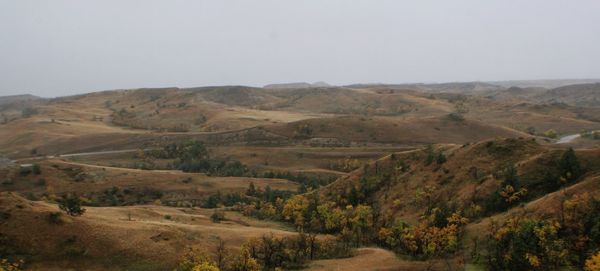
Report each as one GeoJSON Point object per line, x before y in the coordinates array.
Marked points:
{"type": "Point", "coordinates": [62, 47]}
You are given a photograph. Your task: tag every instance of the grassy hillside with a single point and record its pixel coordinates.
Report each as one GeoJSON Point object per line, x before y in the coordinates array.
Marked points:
{"type": "Point", "coordinates": [105, 186]}
{"type": "Point", "coordinates": [361, 177]}
{"type": "Point", "coordinates": [143, 237]}
{"type": "Point", "coordinates": [586, 95]}
{"type": "Point", "coordinates": [444, 129]}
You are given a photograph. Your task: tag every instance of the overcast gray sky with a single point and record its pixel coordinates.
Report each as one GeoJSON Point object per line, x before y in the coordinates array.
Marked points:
{"type": "Point", "coordinates": [60, 47]}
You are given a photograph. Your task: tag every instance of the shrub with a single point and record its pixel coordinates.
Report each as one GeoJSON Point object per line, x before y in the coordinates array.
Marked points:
{"type": "Point", "coordinates": [591, 135]}
{"type": "Point", "coordinates": [74, 252]}
{"type": "Point", "coordinates": [71, 204]}
{"type": "Point", "coordinates": [24, 171]}
{"type": "Point", "coordinates": [28, 112]}
{"type": "Point", "coordinates": [550, 133]}
{"type": "Point", "coordinates": [54, 218]}
{"type": "Point", "coordinates": [430, 154]}
{"type": "Point", "coordinates": [458, 117]}
{"type": "Point", "coordinates": [35, 169]}
{"type": "Point", "coordinates": [217, 216]}
{"type": "Point", "coordinates": [303, 131]}
{"type": "Point", "coordinates": [441, 158]}
{"type": "Point", "coordinates": [41, 182]}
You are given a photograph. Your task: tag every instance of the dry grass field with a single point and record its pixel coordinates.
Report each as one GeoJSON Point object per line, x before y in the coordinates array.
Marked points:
{"type": "Point", "coordinates": [142, 237]}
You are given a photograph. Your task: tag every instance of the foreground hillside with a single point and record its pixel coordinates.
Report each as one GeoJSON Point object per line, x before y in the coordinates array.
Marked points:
{"type": "Point", "coordinates": [490, 188]}
{"type": "Point", "coordinates": [461, 176]}
{"type": "Point", "coordinates": [143, 237]}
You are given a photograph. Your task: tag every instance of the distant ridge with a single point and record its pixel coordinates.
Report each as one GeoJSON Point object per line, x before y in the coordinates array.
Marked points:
{"type": "Point", "coordinates": [550, 83]}
{"type": "Point", "coordinates": [18, 98]}
{"type": "Point", "coordinates": [450, 87]}
{"type": "Point", "coordinates": [319, 84]}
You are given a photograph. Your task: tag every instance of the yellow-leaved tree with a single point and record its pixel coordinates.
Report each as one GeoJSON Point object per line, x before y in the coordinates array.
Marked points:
{"type": "Point", "coordinates": [593, 263]}
{"type": "Point", "coordinates": [5, 265]}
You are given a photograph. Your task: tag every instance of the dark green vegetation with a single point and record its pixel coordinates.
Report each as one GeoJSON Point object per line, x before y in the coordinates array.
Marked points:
{"type": "Point", "coordinates": [546, 244]}
{"type": "Point", "coordinates": [71, 204]}
{"type": "Point", "coordinates": [193, 156]}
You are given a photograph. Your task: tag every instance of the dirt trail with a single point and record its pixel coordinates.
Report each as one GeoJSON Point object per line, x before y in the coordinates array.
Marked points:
{"type": "Point", "coordinates": [121, 168]}
{"type": "Point", "coordinates": [369, 259]}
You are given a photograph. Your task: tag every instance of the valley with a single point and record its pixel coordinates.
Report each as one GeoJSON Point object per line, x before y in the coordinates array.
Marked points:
{"type": "Point", "coordinates": [303, 176]}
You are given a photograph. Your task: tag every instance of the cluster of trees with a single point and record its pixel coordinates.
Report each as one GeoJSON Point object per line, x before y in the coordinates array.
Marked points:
{"type": "Point", "coordinates": [591, 134]}
{"type": "Point", "coordinates": [193, 156]}
{"type": "Point", "coordinates": [265, 253]}
{"type": "Point", "coordinates": [361, 224]}
{"type": "Point", "coordinates": [309, 214]}
{"type": "Point", "coordinates": [508, 194]}
{"type": "Point", "coordinates": [439, 158]}
{"type": "Point", "coordinates": [28, 112]}
{"type": "Point", "coordinates": [345, 165]}
{"type": "Point", "coordinates": [356, 220]}
{"type": "Point", "coordinates": [424, 240]}
{"type": "Point", "coordinates": [306, 182]}
{"type": "Point", "coordinates": [252, 194]}
{"type": "Point", "coordinates": [33, 169]}
{"type": "Point", "coordinates": [547, 244]}
{"type": "Point", "coordinates": [303, 131]}
{"type": "Point", "coordinates": [559, 173]}
{"type": "Point", "coordinates": [127, 196]}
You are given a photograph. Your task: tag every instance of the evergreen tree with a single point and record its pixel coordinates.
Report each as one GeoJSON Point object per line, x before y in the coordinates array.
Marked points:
{"type": "Point", "coordinates": [569, 165]}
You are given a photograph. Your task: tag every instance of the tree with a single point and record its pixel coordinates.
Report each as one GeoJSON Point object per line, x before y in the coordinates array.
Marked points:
{"type": "Point", "coordinates": [569, 165]}
{"type": "Point", "coordinates": [362, 223]}
{"type": "Point", "coordinates": [28, 112]}
{"type": "Point", "coordinates": [511, 195]}
{"type": "Point", "coordinates": [441, 158]}
{"type": "Point", "coordinates": [217, 216]}
{"type": "Point", "coordinates": [251, 191]}
{"type": "Point", "coordinates": [196, 260]}
{"type": "Point", "coordinates": [295, 210]}
{"type": "Point", "coordinates": [430, 154]}
{"type": "Point", "coordinates": [221, 254]}
{"type": "Point", "coordinates": [205, 266]}
{"type": "Point", "coordinates": [333, 217]}
{"type": "Point", "coordinates": [71, 204]}
{"type": "Point", "coordinates": [593, 263]}
{"type": "Point", "coordinates": [269, 196]}
{"type": "Point", "coordinates": [244, 261]}
{"type": "Point", "coordinates": [511, 177]}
